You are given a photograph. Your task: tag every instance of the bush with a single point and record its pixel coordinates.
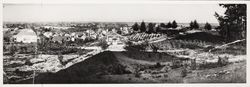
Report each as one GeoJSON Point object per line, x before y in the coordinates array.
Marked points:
{"type": "Point", "coordinates": [157, 65]}
{"type": "Point", "coordinates": [184, 72]}
{"type": "Point", "coordinates": [137, 72]}
{"type": "Point", "coordinates": [28, 62]}
{"type": "Point", "coordinates": [222, 61]}
{"type": "Point", "coordinates": [104, 45]}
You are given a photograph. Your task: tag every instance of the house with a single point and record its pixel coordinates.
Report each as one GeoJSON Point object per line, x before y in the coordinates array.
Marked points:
{"type": "Point", "coordinates": [83, 37]}
{"type": "Point", "coordinates": [26, 36]}
{"type": "Point", "coordinates": [59, 39]}
{"type": "Point", "coordinates": [125, 30]}
{"type": "Point", "coordinates": [48, 34]}
{"type": "Point", "coordinates": [114, 38]}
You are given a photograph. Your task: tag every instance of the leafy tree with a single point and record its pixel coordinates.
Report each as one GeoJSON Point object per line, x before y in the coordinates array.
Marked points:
{"type": "Point", "coordinates": [174, 24]}
{"type": "Point", "coordinates": [150, 28]}
{"type": "Point", "coordinates": [169, 25]}
{"type": "Point", "coordinates": [208, 26]}
{"type": "Point", "coordinates": [143, 26]}
{"type": "Point", "coordinates": [135, 27]}
{"type": "Point", "coordinates": [233, 24]}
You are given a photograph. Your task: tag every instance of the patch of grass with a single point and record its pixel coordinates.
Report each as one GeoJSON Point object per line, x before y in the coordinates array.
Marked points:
{"type": "Point", "coordinates": [235, 50]}
{"type": "Point", "coordinates": [236, 73]}
{"type": "Point", "coordinates": [149, 56]}
{"type": "Point", "coordinates": [201, 36]}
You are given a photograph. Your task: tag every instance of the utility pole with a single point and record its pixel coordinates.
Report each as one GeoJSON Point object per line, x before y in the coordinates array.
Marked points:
{"type": "Point", "coordinates": [36, 53]}
{"type": "Point", "coordinates": [34, 76]}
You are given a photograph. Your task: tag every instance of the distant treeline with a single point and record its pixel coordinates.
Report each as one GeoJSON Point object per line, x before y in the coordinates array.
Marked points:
{"type": "Point", "coordinates": [156, 28]}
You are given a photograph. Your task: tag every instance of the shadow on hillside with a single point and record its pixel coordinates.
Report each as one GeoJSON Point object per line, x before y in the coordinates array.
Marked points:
{"type": "Point", "coordinates": [88, 71]}
{"type": "Point", "coordinates": [202, 36]}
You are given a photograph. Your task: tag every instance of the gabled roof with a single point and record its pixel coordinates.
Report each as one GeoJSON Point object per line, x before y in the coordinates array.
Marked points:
{"type": "Point", "coordinates": [112, 34]}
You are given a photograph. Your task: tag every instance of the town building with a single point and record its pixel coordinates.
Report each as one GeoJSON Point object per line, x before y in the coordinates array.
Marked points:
{"type": "Point", "coordinates": [26, 36]}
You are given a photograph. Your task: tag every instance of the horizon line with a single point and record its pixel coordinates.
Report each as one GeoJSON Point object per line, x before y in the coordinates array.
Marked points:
{"type": "Point", "coordinates": [97, 21]}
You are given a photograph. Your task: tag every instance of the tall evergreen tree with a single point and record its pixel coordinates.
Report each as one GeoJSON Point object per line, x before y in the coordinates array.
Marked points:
{"type": "Point", "coordinates": [195, 25]}
{"type": "Point", "coordinates": [169, 25]}
{"type": "Point", "coordinates": [174, 24]}
{"type": "Point", "coordinates": [143, 27]}
{"type": "Point", "coordinates": [162, 25]}
{"type": "Point", "coordinates": [191, 25]}
{"type": "Point", "coordinates": [233, 23]}
{"type": "Point", "coordinates": [150, 28]}
{"type": "Point", "coordinates": [208, 26]}
{"type": "Point", "coordinates": [135, 27]}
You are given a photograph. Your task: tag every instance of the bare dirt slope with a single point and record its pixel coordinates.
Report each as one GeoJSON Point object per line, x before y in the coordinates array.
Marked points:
{"type": "Point", "coordinates": [84, 72]}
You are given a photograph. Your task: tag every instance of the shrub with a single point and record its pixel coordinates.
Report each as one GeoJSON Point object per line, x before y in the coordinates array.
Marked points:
{"type": "Point", "coordinates": [222, 61]}
{"type": "Point", "coordinates": [137, 72]}
{"type": "Point", "coordinates": [157, 65]}
{"type": "Point", "coordinates": [104, 45]}
{"type": "Point", "coordinates": [184, 72]}
{"type": "Point", "coordinates": [28, 62]}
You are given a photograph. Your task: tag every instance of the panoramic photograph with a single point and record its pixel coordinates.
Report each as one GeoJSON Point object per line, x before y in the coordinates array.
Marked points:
{"type": "Point", "coordinates": [120, 43]}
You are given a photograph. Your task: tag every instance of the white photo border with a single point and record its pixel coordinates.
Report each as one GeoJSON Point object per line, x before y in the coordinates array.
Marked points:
{"type": "Point", "coordinates": [123, 1]}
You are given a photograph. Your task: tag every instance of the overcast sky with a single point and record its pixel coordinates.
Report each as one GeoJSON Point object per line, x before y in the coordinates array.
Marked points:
{"type": "Point", "coordinates": [110, 12]}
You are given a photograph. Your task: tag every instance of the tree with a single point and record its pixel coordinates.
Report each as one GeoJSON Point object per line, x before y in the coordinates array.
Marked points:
{"type": "Point", "coordinates": [184, 72]}
{"type": "Point", "coordinates": [207, 26]}
{"type": "Point", "coordinates": [196, 25]}
{"type": "Point", "coordinates": [191, 25]}
{"type": "Point", "coordinates": [162, 25]}
{"type": "Point", "coordinates": [155, 48]}
{"type": "Point", "coordinates": [135, 27]}
{"type": "Point", "coordinates": [119, 31]}
{"type": "Point", "coordinates": [150, 28]}
{"type": "Point", "coordinates": [233, 23]}
{"type": "Point", "coordinates": [169, 25]}
{"type": "Point", "coordinates": [158, 29]}
{"type": "Point", "coordinates": [174, 24]}
{"type": "Point", "coordinates": [143, 26]}
{"type": "Point", "coordinates": [12, 49]}
{"type": "Point", "coordinates": [104, 45]}
{"type": "Point", "coordinates": [135, 48]}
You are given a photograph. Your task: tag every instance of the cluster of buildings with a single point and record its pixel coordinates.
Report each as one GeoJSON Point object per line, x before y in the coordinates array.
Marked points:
{"type": "Point", "coordinates": [53, 27]}
{"type": "Point", "coordinates": [113, 35]}
{"type": "Point", "coordinates": [61, 37]}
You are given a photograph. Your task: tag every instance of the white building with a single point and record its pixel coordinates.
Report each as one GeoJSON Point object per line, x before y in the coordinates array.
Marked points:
{"type": "Point", "coordinates": [26, 36]}
{"type": "Point", "coordinates": [114, 38]}
{"type": "Point", "coordinates": [48, 34]}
